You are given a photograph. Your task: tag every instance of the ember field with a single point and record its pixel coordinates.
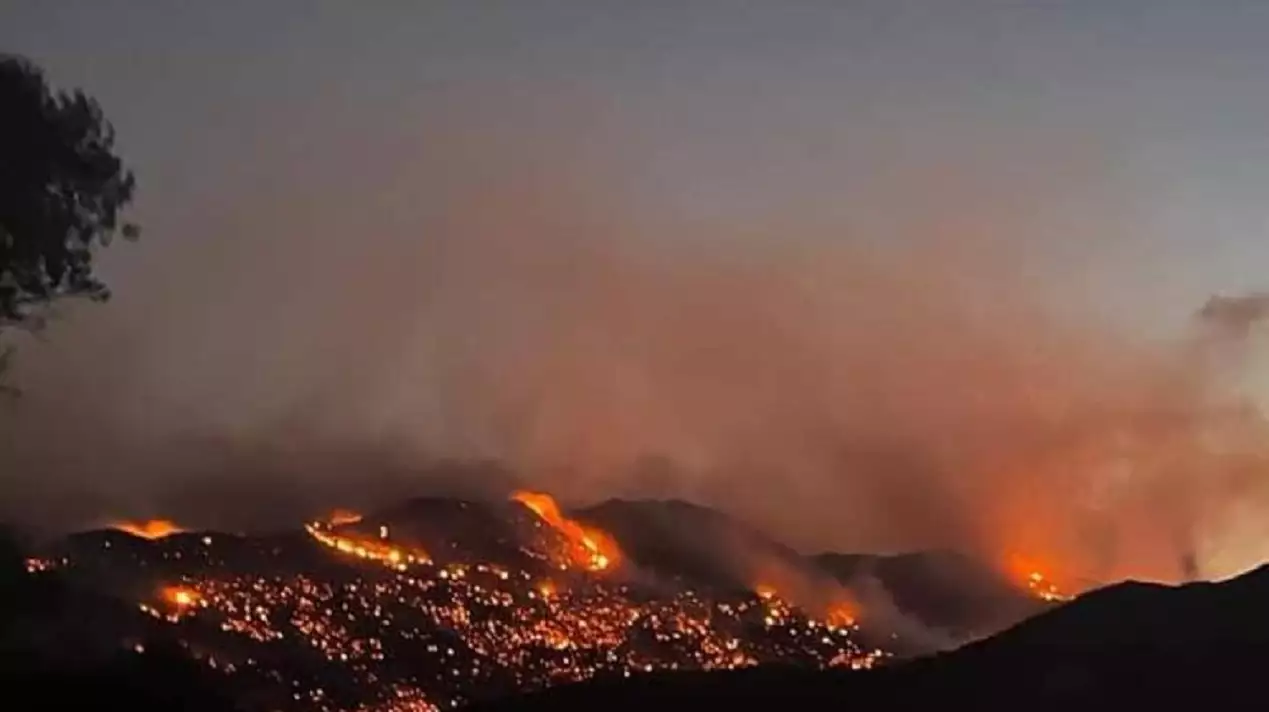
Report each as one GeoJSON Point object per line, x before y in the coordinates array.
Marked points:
{"type": "Point", "coordinates": [351, 615]}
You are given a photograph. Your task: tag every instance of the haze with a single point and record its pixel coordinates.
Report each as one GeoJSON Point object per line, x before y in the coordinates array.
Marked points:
{"type": "Point", "coordinates": [875, 276]}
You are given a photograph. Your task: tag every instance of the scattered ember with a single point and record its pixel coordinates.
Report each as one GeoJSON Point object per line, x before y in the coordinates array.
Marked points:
{"type": "Point", "coordinates": [370, 625]}
{"type": "Point", "coordinates": [1038, 584]}
{"type": "Point", "coordinates": [1044, 589]}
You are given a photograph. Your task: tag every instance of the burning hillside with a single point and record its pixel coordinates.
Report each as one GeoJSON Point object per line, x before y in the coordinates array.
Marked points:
{"type": "Point", "coordinates": [148, 529]}
{"type": "Point", "coordinates": [441, 602]}
{"type": "Point", "coordinates": [587, 547]}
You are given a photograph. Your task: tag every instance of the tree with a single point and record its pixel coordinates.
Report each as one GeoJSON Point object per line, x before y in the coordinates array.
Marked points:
{"type": "Point", "coordinates": [62, 194]}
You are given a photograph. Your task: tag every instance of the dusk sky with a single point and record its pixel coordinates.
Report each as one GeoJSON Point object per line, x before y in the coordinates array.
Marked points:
{"type": "Point", "coordinates": [297, 159]}
{"type": "Point", "coordinates": [731, 105]}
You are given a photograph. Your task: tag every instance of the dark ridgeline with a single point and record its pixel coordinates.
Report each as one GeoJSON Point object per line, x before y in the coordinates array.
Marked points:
{"type": "Point", "coordinates": [942, 590]}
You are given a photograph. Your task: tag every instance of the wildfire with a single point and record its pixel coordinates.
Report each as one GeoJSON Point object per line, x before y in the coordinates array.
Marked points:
{"type": "Point", "coordinates": [180, 596]}
{"type": "Point", "coordinates": [379, 549]}
{"type": "Point", "coordinates": [1037, 582]}
{"type": "Point", "coordinates": [841, 614]}
{"type": "Point", "coordinates": [151, 529]}
{"type": "Point", "coordinates": [592, 549]}
{"type": "Point", "coordinates": [339, 517]}
{"type": "Point", "coordinates": [1044, 589]}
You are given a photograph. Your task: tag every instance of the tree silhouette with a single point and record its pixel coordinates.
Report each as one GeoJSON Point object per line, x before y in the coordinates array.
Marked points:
{"type": "Point", "coordinates": [62, 192]}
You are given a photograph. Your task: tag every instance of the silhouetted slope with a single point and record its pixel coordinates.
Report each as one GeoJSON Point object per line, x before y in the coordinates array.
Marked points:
{"type": "Point", "coordinates": [941, 589]}
{"type": "Point", "coordinates": [154, 681]}
{"type": "Point", "coordinates": [458, 530]}
{"type": "Point", "coordinates": [700, 546]}
{"type": "Point", "coordinates": [1131, 646]}
{"type": "Point", "coordinates": [1208, 619]}
{"type": "Point", "coordinates": [65, 647]}
{"type": "Point", "coordinates": [694, 544]}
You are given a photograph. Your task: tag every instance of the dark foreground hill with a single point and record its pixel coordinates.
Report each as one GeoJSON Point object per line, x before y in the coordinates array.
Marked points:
{"type": "Point", "coordinates": [1131, 646]}
{"type": "Point", "coordinates": [60, 650]}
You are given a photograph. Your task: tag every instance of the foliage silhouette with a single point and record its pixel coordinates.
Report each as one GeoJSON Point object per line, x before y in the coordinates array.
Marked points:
{"type": "Point", "coordinates": [62, 194]}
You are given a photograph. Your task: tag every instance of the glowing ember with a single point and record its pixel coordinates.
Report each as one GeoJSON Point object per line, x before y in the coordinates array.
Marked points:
{"type": "Point", "coordinates": [505, 628]}
{"type": "Point", "coordinates": [152, 529]}
{"type": "Point", "coordinates": [379, 549]}
{"type": "Point", "coordinates": [1044, 589]}
{"type": "Point", "coordinates": [180, 596]}
{"type": "Point", "coordinates": [1039, 584]}
{"type": "Point", "coordinates": [840, 614]}
{"type": "Point", "coordinates": [498, 621]}
{"type": "Point", "coordinates": [592, 549]}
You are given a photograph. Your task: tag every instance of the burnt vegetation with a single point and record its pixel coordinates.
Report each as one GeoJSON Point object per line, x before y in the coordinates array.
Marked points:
{"type": "Point", "coordinates": [359, 615]}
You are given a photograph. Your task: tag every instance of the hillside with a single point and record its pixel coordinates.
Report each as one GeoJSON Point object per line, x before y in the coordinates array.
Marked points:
{"type": "Point", "coordinates": [436, 602]}
{"type": "Point", "coordinates": [1129, 646]}
{"type": "Point", "coordinates": [940, 589]}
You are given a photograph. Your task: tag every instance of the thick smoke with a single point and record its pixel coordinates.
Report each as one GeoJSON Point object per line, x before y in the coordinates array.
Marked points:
{"type": "Point", "coordinates": [1235, 316]}
{"type": "Point", "coordinates": [913, 374]}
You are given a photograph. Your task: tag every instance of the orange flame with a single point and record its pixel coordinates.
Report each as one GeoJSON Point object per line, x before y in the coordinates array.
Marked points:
{"type": "Point", "coordinates": [340, 517]}
{"type": "Point", "coordinates": [151, 529]}
{"type": "Point", "coordinates": [180, 596]}
{"type": "Point", "coordinates": [1030, 573]}
{"type": "Point", "coordinates": [379, 550]}
{"type": "Point", "coordinates": [841, 614]}
{"type": "Point", "coordinates": [592, 549]}
{"type": "Point", "coordinates": [765, 590]}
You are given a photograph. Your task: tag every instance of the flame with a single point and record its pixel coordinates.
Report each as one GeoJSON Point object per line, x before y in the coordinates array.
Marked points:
{"type": "Point", "coordinates": [841, 615]}
{"type": "Point", "coordinates": [765, 590]}
{"type": "Point", "coordinates": [151, 529]}
{"type": "Point", "coordinates": [340, 517]}
{"type": "Point", "coordinates": [592, 549]}
{"type": "Point", "coordinates": [379, 549]}
{"type": "Point", "coordinates": [180, 596]}
{"type": "Point", "coordinates": [1033, 575]}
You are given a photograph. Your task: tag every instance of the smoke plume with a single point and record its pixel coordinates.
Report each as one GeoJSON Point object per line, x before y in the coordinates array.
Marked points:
{"type": "Point", "coordinates": [913, 374]}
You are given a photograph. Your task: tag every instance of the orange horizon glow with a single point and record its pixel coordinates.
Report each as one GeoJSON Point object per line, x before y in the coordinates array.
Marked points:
{"type": "Point", "coordinates": [842, 614]}
{"type": "Point", "coordinates": [1036, 578]}
{"type": "Point", "coordinates": [765, 590]}
{"type": "Point", "coordinates": [149, 529]}
{"type": "Point", "coordinates": [592, 548]}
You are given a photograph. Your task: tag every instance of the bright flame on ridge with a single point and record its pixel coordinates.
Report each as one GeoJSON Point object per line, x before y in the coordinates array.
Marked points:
{"type": "Point", "coordinates": [150, 529]}
{"type": "Point", "coordinates": [592, 549]}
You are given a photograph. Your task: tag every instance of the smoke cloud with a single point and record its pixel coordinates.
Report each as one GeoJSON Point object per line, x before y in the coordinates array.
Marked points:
{"type": "Point", "coordinates": [904, 369]}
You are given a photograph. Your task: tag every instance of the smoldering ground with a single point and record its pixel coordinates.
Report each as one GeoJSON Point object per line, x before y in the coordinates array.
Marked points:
{"type": "Point", "coordinates": [911, 367]}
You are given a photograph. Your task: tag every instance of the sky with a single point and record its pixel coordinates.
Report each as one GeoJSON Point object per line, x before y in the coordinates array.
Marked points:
{"type": "Point", "coordinates": [466, 229]}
